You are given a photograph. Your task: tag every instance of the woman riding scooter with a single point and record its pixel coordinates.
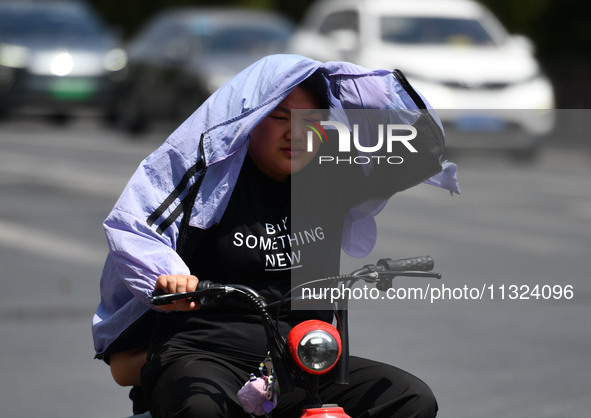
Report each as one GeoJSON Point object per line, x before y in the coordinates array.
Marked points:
{"type": "Point", "coordinates": [202, 206]}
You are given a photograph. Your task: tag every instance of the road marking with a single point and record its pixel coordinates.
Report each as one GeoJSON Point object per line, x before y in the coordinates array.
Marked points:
{"type": "Point", "coordinates": [89, 141]}
{"type": "Point", "coordinates": [62, 174]}
{"type": "Point", "coordinates": [51, 245]}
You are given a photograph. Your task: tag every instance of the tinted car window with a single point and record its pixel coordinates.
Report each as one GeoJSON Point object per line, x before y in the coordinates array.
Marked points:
{"type": "Point", "coordinates": [246, 39]}
{"type": "Point", "coordinates": [348, 19]}
{"type": "Point", "coordinates": [57, 24]}
{"type": "Point", "coordinates": [163, 38]}
{"type": "Point", "coordinates": [418, 30]}
{"type": "Point", "coordinates": [170, 41]}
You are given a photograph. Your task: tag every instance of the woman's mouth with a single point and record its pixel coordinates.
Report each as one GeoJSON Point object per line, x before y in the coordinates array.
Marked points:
{"type": "Point", "coordinates": [292, 152]}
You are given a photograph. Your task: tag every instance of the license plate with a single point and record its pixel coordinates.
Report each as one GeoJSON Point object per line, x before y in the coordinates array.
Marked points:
{"type": "Point", "coordinates": [480, 124]}
{"type": "Point", "coordinates": [72, 89]}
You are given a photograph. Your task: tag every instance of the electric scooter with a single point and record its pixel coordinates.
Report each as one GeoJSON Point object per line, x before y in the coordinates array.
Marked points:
{"type": "Point", "coordinates": [313, 347]}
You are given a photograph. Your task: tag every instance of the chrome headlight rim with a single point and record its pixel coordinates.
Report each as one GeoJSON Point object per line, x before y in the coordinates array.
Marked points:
{"type": "Point", "coordinates": [315, 346]}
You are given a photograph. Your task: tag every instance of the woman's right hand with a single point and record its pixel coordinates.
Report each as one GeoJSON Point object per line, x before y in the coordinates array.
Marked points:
{"type": "Point", "coordinates": [178, 283]}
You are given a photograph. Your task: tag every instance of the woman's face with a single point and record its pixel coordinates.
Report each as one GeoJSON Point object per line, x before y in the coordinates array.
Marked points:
{"type": "Point", "coordinates": [275, 148]}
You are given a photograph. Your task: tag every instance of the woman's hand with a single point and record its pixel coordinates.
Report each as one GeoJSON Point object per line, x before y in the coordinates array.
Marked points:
{"type": "Point", "coordinates": [178, 283]}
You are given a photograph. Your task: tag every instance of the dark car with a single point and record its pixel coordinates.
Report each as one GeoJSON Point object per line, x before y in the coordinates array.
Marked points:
{"type": "Point", "coordinates": [183, 55]}
{"type": "Point", "coordinates": [56, 58]}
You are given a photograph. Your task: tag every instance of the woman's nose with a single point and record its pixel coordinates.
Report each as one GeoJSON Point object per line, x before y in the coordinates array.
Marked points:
{"type": "Point", "coordinates": [297, 132]}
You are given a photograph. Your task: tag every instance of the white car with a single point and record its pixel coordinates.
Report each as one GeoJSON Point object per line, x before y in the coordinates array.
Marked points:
{"type": "Point", "coordinates": [486, 84]}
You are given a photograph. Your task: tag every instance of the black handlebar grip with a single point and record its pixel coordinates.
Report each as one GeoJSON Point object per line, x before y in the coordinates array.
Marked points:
{"type": "Point", "coordinates": [424, 263]}
{"type": "Point", "coordinates": [160, 297]}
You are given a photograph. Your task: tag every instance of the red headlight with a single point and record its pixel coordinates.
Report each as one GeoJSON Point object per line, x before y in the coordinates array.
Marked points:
{"type": "Point", "coordinates": [315, 346]}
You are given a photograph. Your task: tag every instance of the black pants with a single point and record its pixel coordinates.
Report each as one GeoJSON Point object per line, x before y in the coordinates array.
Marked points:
{"type": "Point", "coordinates": [204, 385]}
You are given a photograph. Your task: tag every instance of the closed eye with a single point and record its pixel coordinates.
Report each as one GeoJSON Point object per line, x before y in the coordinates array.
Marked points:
{"type": "Point", "coordinates": [284, 118]}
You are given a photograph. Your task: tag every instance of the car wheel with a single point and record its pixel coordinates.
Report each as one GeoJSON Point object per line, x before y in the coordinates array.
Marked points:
{"type": "Point", "coordinates": [60, 118]}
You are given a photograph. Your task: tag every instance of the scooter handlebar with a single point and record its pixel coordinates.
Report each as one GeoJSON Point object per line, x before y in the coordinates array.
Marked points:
{"type": "Point", "coordinates": [423, 263]}
{"type": "Point", "coordinates": [409, 266]}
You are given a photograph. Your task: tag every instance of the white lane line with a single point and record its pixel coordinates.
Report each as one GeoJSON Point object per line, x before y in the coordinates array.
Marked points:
{"type": "Point", "coordinates": [61, 173]}
{"type": "Point", "coordinates": [46, 244]}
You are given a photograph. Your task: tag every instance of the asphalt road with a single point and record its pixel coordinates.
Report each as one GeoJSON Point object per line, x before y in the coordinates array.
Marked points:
{"type": "Point", "coordinates": [484, 353]}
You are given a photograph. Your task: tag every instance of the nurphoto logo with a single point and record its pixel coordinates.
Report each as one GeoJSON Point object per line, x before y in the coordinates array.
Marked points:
{"type": "Point", "coordinates": [387, 136]}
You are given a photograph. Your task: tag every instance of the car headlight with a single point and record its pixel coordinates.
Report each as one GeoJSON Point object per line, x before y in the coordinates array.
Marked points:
{"type": "Point", "coordinates": [115, 60]}
{"type": "Point", "coordinates": [62, 64]}
{"type": "Point", "coordinates": [315, 346]}
{"type": "Point", "coordinates": [14, 56]}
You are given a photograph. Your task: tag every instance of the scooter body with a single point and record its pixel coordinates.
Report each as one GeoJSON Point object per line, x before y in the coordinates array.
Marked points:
{"type": "Point", "coordinates": [326, 411]}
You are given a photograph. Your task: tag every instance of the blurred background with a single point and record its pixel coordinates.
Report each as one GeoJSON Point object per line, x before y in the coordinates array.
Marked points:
{"type": "Point", "coordinates": [559, 30]}
{"type": "Point", "coordinates": [89, 89]}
